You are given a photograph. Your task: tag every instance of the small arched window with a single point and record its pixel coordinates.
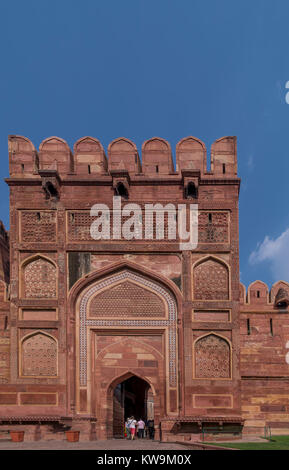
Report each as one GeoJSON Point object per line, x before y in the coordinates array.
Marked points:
{"type": "Point", "coordinates": [191, 191]}
{"type": "Point", "coordinates": [121, 190]}
{"type": "Point", "coordinates": [51, 191]}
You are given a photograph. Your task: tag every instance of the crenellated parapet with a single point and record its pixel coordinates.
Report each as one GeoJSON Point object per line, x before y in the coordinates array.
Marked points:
{"type": "Point", "coordinates": [55, 154]}
{"type": "Point", "coordinates": [191, 154]}
{"type": "Point", "coordinates": [224, 156]}
{"type": "Point", "coordinates": [258, 296]}
{"type": "Point", "coordinates": [157, 157]}
{"type": "Point", "coordinates": [89, 158]}
{"type": "Point", "coordinates": [23, 156]}
{"type": "Point", "coordinates": [123, 155]}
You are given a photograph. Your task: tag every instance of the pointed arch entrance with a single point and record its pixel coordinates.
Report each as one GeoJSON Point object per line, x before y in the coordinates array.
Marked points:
{"type": "Point", "coordinates": [129, 395]}
{"type": "Point", "coordinates": [125, 316]}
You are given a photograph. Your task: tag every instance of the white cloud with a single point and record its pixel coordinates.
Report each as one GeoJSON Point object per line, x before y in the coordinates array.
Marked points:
{"type": "Point", "coordinates": [276, 252]}
{"type": "Point", "coordinates": [250, 163]}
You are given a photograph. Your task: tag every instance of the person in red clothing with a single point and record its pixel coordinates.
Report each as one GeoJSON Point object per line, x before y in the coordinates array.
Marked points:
{"type": "Point", "coordinates": [132, 427]}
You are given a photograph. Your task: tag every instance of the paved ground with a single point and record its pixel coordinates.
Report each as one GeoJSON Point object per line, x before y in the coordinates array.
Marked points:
{"type": "Point", "coordinates": [113, 444]}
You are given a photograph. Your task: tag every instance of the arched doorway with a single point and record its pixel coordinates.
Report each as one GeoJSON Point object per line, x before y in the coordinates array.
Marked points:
{"type": "Point", "coordinates": [115, 337]}
{"type": "Point", "coordinates": [131, 397]}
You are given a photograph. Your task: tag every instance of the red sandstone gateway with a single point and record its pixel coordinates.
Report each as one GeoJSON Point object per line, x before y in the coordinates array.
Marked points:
{"type": "Point", "coordinates": [94, 331]}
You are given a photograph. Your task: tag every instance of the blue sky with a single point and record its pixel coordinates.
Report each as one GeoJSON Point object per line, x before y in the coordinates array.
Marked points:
{"type": "Point", "coordinates": [141, 68]}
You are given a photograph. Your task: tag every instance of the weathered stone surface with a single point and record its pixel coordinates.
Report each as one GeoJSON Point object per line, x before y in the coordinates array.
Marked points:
{"type": "Point", "coordinates": [83, 320]}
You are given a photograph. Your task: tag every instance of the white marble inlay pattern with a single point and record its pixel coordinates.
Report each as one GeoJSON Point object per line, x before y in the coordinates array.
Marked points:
{"type": "Point", "coordinates": [170, 323]}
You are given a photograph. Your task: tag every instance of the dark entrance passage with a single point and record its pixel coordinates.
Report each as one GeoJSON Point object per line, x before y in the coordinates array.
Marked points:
{"type": "Point", "coordinates": [132, 397]}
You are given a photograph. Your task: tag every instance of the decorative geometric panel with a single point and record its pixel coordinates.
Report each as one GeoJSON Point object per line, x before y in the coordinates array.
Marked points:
{"type": "Point", "coordinates": [39, 356]}
{"type": "Point", "coordinates": [170, 324]}
{"type": "Point", "coordinates": [39, 279]}
{"type": "Point", "coordinates": [79, 223]}
{"type": "Point", "coordinates": [212, 357]}
{"type": "Point", "coordinates": [127, 299]}
{"type": "Point", "coordinates": [211, 281]}
{"type": "Point", "coordinates": [38, 226]}
{"type": "Point", "coordinates": [215, 229]}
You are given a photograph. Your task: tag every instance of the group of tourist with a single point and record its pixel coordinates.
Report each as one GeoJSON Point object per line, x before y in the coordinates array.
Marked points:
{"type": "Point", "coordinates": [140, 428]}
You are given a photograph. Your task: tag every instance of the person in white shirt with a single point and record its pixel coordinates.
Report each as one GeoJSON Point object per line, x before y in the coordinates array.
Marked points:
{"type": "Point", "coordinates": [132, 427]}
{"type": "Point", "coordinates": [140, 428]}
